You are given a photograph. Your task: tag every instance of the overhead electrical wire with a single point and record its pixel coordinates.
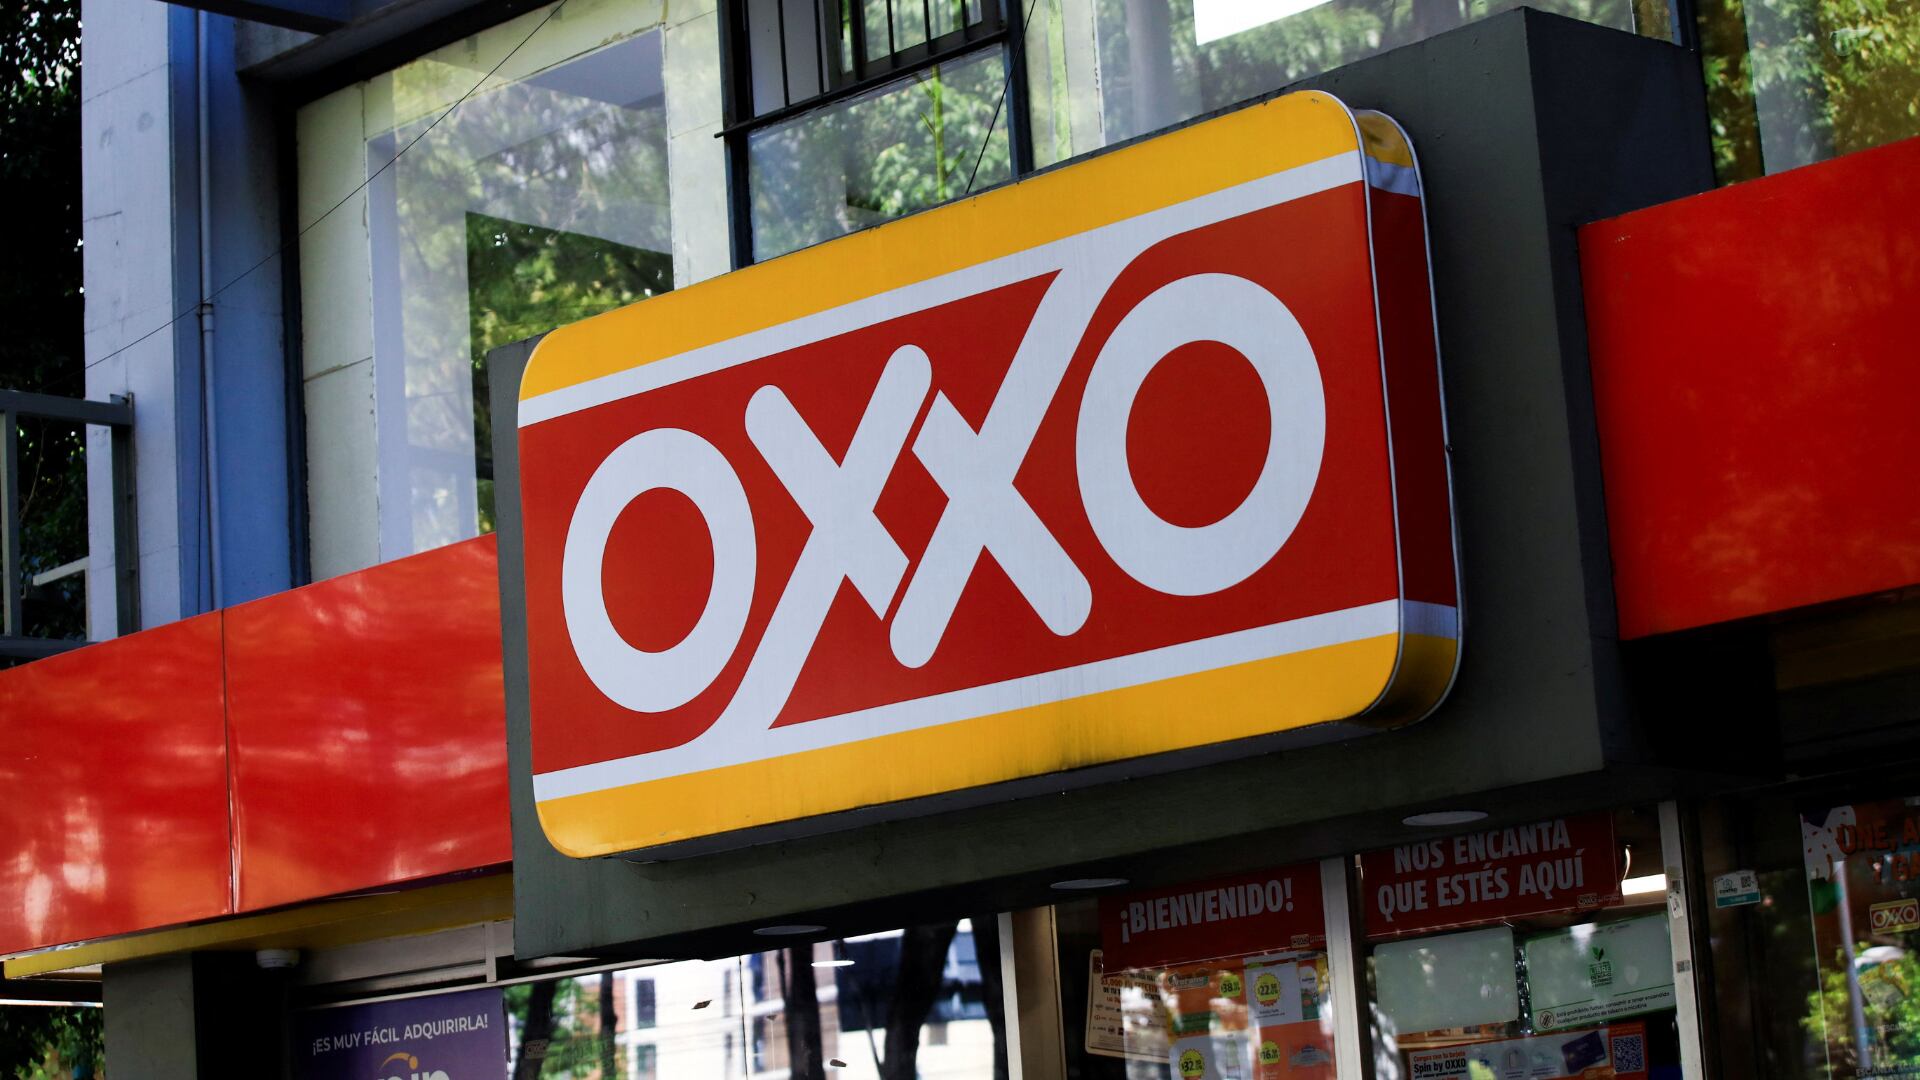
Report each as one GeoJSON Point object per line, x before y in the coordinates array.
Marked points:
{"type": "Point", "coordinates": [1014, 59]}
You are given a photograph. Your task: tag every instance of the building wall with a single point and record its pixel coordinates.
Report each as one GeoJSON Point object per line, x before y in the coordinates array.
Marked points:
{"type": "Point", "coordinates": [128, 85]}
{"type": "Point", "coordinates": [214, 506]}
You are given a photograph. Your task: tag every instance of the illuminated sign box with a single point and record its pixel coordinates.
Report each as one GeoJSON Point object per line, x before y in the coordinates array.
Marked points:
{"type": "Point", "coordinates": [1135, 464]}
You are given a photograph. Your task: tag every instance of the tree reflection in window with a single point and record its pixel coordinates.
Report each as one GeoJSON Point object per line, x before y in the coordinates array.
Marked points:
{"type": "Point", "coordinates": [524, 280]}
{"type": "Point", "coordinates": [1791, 82]}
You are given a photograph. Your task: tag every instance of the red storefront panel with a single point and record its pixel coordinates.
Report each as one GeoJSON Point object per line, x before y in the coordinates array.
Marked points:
{"type": "Point", "coordinates": [369, 730]}
{"type": "Point", "coordinates": [115, 773]}
{"type": "Point", "coordinates": [1754, 377]}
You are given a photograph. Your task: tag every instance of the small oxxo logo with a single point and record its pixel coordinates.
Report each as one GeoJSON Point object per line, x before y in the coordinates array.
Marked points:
{"type": "Point", "coordinates": [990, 494]}
{"type": "Point", "coordinates": [1894, 916]}
{"type": "Point", "coordinates": [401, 1065]}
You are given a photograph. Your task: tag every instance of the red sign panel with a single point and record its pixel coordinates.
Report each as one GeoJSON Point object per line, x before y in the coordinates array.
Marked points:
{"type": "Point", "coordinates": [1241, 915]}
{"type": "Point", "coordinates": [1564, 864]}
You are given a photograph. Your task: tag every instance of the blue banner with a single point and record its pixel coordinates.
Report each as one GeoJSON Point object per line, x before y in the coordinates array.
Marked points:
{"type": "Point", "coordinates": [445, 1037]}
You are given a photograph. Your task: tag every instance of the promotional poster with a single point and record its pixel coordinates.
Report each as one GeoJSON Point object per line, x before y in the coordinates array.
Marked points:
{"type": "Point", "coordinates": [445, 1037]}
{"type": "Point", "coordinates": [1616, 1052]}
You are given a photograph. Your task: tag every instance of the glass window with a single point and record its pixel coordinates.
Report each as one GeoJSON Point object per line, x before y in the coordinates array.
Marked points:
{"type": "Point", "coordinates": [849, 113]}
{"type": "Point", "coordinates": [532, 206]}
{"type": "Point", "coordinates": [906, 1002]}
{"type": "Point", "coordinates": [52, 508]}
{"type": "Point", "coordinates": [1155, 63]}
{"type": "Point", "coordinates": [1791, 82]}
{"type": "Point", "coordinates": [1814, 920]}
{"type": "Point", "coordinates": [491, 207]}
{"type": "Point", "coordinates": [933, 136]}
{"type": "Point", "coordinates": [1225, 978]}
{"type": "Point", "coordinates": [1540, 951]}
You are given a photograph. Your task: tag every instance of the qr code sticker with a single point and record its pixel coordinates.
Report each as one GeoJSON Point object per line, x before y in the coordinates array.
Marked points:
{"type": "Point", "coordinates": [1629, 1053]}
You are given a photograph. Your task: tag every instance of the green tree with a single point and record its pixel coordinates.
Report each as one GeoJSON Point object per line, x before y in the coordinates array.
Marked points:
{"type": "Point", "coordinates": [40, 290]}
{"type": "Point", "coordinates": [565, 1029]}
{"type": "Point", "coordinates": [44, 1042]}
{"type": "Point", "coordinates": [1890, 1005]}
{"type": "Point", "coordinates": [40, 299]}
{"type": "Point", "coordinates": [454, 233]}
{"type": "Point", "coordinates": [523, 280]}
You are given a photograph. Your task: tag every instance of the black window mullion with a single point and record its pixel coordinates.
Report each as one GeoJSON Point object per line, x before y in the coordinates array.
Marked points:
{"type": "Point", "coordinates": [892, 46]}
{"type": "Point", "coordinates": [857, 25]}
{"type": "Point", "coordinates": [786, 73]}
{"type": "Point", "coordinates": [848, 64]}
{"type": "Point", "coordinates": [1019, 131]}
{"type": "Point", "coordinates": [857, 87]}
{"type": "Point", "coordinates": [11, 621]}
{"type": "Point", "coordinates": [822, 82]}
{"type": "Point", "coordinates": [737, 106]}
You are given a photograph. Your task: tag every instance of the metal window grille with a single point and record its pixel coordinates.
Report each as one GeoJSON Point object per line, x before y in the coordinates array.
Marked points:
{"type": "Point", "coordinates": [799, 54]}
{"type": "Point", "coordinates": [116, 415]}
{"type": "Point", "coordinates": [782, 58]}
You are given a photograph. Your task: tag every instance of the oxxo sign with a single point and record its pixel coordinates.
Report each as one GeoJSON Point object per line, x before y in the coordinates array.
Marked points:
{"type": "Point", "coordinates": [1097, 469]}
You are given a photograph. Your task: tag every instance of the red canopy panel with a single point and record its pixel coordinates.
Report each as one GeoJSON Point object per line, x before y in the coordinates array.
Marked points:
{"type": "Point", "coordinates": [342, 737]}
{"type": "Point", "coordinates": [1756, 381]}
{"type": "Point", "coordinates": [115, 774]}
{"type": "Point", "coordinates": [368, 729]}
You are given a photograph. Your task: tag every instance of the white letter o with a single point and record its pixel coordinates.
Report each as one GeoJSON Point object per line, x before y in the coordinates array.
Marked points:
{"type": "Point", "coordinates": [1198, 560]}
{"type": "Point", "coordinates": [674, 460]}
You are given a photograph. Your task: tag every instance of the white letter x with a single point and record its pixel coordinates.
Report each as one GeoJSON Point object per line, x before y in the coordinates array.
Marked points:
{"type": "Point", "coordinates": [847, 540]}
{"type": "Point", "coordinates": [976, 470]}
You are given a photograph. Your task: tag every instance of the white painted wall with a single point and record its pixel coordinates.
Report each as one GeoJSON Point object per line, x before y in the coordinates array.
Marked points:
{"type": "Point", "coordinates": [127, 203]}
{"type": "Point", "coordinates": [696, 159]}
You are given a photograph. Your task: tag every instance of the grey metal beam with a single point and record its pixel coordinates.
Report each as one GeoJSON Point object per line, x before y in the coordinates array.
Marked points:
{"type": "Point", "coordinates": [16, 647]}
{"type": "Point", "coordinates": [75, 991]}
{"type": "Point", "coordinates": [311, 16]}
{"type": "Point", "coordinates": [73, 410]}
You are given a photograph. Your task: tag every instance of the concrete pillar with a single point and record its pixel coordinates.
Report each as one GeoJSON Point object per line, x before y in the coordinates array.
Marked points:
{"type": "Point", "coordinates": [195, 1015]}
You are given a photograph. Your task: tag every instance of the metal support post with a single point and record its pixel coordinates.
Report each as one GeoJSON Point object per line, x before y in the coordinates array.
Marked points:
{"type": "Point", "coordinates": [1346, 968]}
{"type": "Point", "coordinates": [10, 616]}
{"type": "Point", "coordinates": [126, 532]}
{"type": "Point", "coordinates": [1680, 926]}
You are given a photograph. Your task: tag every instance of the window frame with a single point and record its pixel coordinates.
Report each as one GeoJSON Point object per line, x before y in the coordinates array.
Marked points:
{"type": "Point", "coordinates": [1002, 27]}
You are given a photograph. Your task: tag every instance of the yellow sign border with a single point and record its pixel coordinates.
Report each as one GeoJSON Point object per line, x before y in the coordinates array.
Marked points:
{"type": "Point", "coordinates": [1123, 183]}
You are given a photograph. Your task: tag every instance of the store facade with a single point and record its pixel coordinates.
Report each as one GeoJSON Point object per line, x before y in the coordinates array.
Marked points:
{"type": "Point", "coordinates": [1318, 544]}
